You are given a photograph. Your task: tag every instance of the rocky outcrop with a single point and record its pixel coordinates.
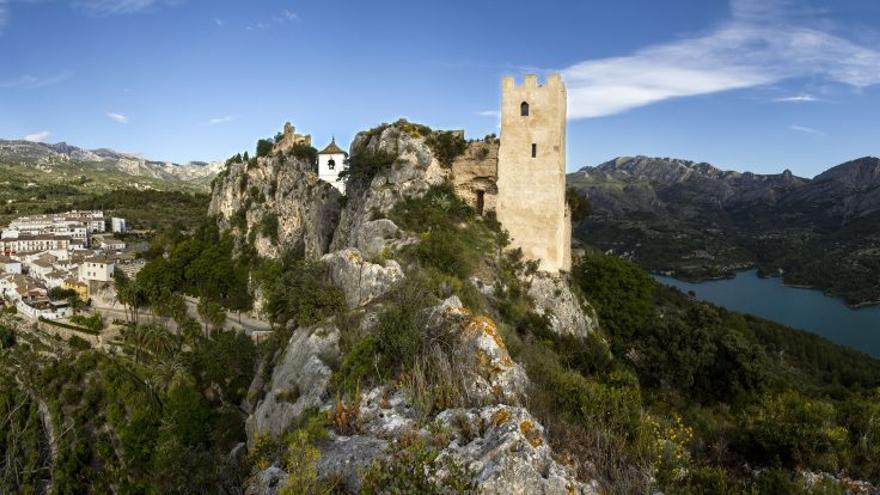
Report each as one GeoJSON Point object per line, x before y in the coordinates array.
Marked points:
{"type": "Point", "coordinates": [278, 203]}
{"type": "Point", "coordinates": [568, 313]}
{"type": "Point", "coordinates": [475, 174]}
{"type": "Point", "coordinates": [360, 280]}
{"type": "Point", "coordinates": [491, 375]}
{"type": "Point", "coordinates": [414, 170]}
{"type": "Point", "coordinates": [507, 451]}
{"type": "Point", "coordinates": [299, 381]}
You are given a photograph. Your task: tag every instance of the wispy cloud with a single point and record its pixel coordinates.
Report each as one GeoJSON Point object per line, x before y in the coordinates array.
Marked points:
{"type": "Point", "coordinates": [37, 137]}
{"type": "Point", "coordinates": [219, 22]}
{"type": "Point", "coordinates": [489, 113]}
{"type": "Point", "coordinates": [29, 81]}
{"type": "Point", "coordinates": [286, 16]}
{"type": "Point", "coordinates": [118, 117]}
{"type": "Point", "coordinates": [103, 8]}
{"type": "Point", "coordinates": [221, 120]}
{"type": "Point", "coordinates": [796, 99]}
{"type": "Point", "coordinates": [808, 130]}
{"type": "Point", "coordinates": [763, 43]}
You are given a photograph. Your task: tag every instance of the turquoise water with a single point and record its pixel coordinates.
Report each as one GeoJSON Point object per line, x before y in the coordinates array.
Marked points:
{"type": "Point", "coordinates": [805, 309]}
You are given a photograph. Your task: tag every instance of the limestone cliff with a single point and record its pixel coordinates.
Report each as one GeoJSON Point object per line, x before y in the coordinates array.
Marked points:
{"type": "Point", "coordinates": [465, 380]}
{"type": "Point", "coordinates": [276, 203]}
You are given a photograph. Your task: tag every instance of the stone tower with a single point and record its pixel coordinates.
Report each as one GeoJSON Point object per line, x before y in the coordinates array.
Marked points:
{"type": "Point", "coordinates": [531, 170]}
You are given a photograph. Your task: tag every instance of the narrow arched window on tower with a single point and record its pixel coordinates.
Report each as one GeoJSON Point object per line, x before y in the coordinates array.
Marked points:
{"type": "Point", "coordinates": [331, 164]}
{"type": "Point", "coordinates": [524, 109]}
{"type": "Point", "coordinates": [534, 150]}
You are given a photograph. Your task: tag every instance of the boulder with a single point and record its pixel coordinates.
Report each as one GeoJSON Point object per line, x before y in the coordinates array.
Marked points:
{"type": "Point", "coordinates": [343, 459]}
{"type": "Point", "coordinates": [374, 236]}
{"type": "Point", "coordinates": [492, 376]}
{"type": "Point", "coordinates": [415, 170]}
{"type": "Point", "coordinates": [299, 381]}
{"type": "Point", "coordinates": [266, 482]}
{"type": "Point", "coordinates": [568, 313]}
{"type": "Point", "coordinates": [507, 452]}
{"type": "Point", "coordinates": [360, 280]}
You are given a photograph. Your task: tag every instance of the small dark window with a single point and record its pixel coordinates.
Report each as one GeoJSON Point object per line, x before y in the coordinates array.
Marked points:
{"type": "Point", "coordinates": [331, 164]}
{"type": "Point", "coordinates": [481, 201]}
{"type": "Point", "coordinates": [524, 109]}
{"type": "Point", "coordinates": [534, 150]}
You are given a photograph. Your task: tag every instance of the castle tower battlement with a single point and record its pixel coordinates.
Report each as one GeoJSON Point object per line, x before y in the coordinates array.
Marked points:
{"type": "Point", "coordinates": [531, 170]}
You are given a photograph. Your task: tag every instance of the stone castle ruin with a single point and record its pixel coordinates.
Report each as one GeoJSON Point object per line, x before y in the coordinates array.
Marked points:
{"type": "Point", "coordinates": [522, 177]}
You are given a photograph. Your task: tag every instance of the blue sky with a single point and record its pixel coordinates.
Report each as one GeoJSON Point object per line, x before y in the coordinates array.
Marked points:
{"type": "Point", "coordinates": [756, 85]}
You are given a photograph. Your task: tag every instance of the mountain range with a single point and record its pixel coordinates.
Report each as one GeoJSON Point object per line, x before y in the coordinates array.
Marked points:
{"type": "Point", "coordinates": [49, 157]}
{"type": "Point", "coordinates": [696, 221]}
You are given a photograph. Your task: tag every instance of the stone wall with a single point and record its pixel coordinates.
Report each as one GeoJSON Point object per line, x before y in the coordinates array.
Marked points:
{"type": "Point", "coordinates": [475, 174]}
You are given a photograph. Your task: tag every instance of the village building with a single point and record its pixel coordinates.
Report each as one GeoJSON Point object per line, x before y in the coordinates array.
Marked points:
{"type": "Point", "coordinates": [331, 161]}
{"type": "Point", "coordinates": [9, 265]}
{"type": "Point", "coordinates": [118, 225]}
{"type": "Point", "coordinates": [96, 269]}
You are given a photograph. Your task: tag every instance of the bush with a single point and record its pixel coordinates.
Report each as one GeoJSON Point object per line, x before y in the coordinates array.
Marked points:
{"type": "Point", "coordinates": [301, 293]}
{"type": "Point", "coordinates": [269, 226]}
{"type": "Point", "coordinates": [264, 147]}
{"type": "Point", "coordinates": [578, 204]}
{"type": "Point", "coordinates": [622, 293]}
{"type": "Point", "coordinates": [447, 146]}
{"type": "Point", "coordinates": [304, 152]}
{"type": "Point", "coordinates": [394, 344]}
{"type": "Point", "coordinates": [412, 467]}
{"type": "Point", "coordinates": [790, 430]}
{"type": "Point", "coordinates": [364, 165]}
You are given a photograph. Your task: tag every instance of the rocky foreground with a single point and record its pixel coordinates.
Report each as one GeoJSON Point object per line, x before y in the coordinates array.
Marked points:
{"type": "Point", "coordinates": [489, 433]}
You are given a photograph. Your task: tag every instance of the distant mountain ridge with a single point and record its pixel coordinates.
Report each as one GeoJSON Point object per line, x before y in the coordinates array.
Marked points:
{"type": "Point", "coordinates": [696, 221]}
{"type": "Point", "coordinates": [45, 156]}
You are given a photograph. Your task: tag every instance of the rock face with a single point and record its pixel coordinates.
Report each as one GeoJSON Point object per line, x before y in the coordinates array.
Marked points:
{"type": "Point", "coordinates": [507, 451]}
{"type": "Point", "coordinates": [475, 175]}
{"type": "Point", "coordinates": [569, 314]}
{"type": "Point", "coordinates": [491, 375]}
{"type": "Point", "coordinates": [414, 171]}
{"type": "Point", "coordinates": [360, 280]}
{"type": "Point", "coordinates": [299, 381]}
{"type": "Point", "coordinates": [279, 203]}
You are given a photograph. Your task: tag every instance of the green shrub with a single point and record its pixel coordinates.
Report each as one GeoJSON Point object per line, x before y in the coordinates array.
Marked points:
{"type": "Point", "coordinates": [394, 344]}
{"type": "Point", "coordinates": [301, 293]}
{"type": "Point", "coordinates": [364, 165]}
{"type": "Point", "coordinates": [304, 152]}
{"type": "Point", "coordinates": [790, 430]}
{"type": "Point", "coordinates": [622, 294]}
{"type": "Point", "coordinates": [447, 146]}
{"type": "Point", "coordinates": [412, 467]}
{"type": "Point", "coordinates": [264, 147]}
{"type": "Point", "coordinates": [269, 226]}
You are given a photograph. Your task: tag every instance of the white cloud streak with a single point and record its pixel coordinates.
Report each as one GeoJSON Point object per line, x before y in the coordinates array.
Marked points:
{"type": "Point", "coordinates": [104, 8]}
{"type": "Point", "coordinates": [489, 113]}
{"type": "Point", "coordinates": [808, 130]}
{"type": "Point", "coordinates": [29, 81]}
{"type": "Point", "coordinates": [796, 99]}
{"type": "Point", "coordinates": [221, 120]}
{"type": "Point", "coordinates": [38, 137]}
{"type": "Point", "coordinates": [757, 47]}
{"type": "Point", "coordinates": [118, 117]}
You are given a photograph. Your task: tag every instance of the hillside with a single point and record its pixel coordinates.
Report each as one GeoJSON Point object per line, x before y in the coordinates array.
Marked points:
{"type": "Point", "coordinates": [412, 353]}
{"type": "Point", "coordinates": [25, 162]}
{"type": "Point", "coordinates": [696, 221]}
{"type": "Point", "coordinates": [38, 178]}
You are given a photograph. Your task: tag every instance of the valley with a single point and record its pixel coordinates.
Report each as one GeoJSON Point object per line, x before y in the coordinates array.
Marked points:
{"type": "Point", "coordinates": [696, 222]}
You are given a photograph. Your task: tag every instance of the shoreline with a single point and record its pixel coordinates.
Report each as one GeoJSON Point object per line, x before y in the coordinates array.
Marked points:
{"type": "Point", "coordinates": [735, 273]}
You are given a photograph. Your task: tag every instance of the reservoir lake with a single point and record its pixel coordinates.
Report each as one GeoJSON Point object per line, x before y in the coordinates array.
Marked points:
{"type": "Point", "coordinates": [804, 309]}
